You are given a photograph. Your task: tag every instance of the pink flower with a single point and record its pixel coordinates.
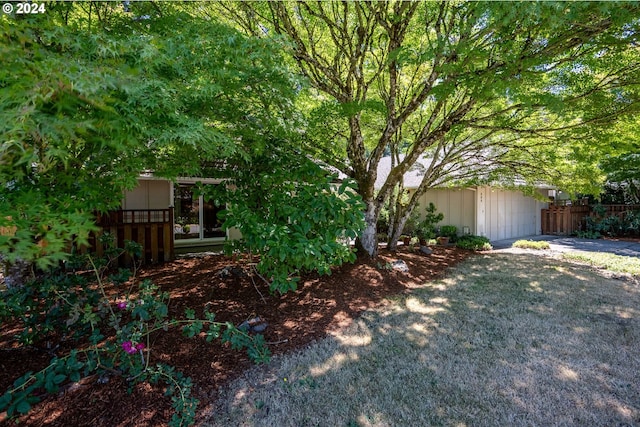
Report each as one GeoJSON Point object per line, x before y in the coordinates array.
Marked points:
{"type": "Point", "coordinates": [128, 347]}
{"type": "Point", "coordinates": [122, 305]}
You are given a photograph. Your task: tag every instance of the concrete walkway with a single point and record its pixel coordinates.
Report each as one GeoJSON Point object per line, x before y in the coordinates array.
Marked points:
{"type": "Point", "coordinates": [566, 244]}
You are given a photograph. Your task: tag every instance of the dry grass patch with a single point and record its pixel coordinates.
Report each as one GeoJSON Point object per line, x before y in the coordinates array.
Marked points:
{"type": "Point", "coordinates": [504, 340]}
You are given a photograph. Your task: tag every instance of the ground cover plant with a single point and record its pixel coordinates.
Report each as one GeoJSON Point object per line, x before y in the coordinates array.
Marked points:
{"type": "Point", "coordinates": [504, 339]}
{"type": "Point", "coordinates": [531, 244]}
{"type": "Point", "coordinates": [220, 285]}
{"type": "Point", "coordinates": [611, 262]}
{"type": "Point", "coordinates": [100, 323]}
{"type": "Point", "coordinates": [474, 243]}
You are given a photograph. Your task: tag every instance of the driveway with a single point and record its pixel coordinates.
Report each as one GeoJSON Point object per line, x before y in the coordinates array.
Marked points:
{"type": "Point", "coordinates": [567, 244]}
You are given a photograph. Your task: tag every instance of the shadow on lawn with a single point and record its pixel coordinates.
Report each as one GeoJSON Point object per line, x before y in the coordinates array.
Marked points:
{"type": "Point", "coordinates": [503, 340]}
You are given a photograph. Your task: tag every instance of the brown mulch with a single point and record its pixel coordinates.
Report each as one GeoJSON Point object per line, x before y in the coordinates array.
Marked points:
{"type": "Point", "coordinates": [321, 304]}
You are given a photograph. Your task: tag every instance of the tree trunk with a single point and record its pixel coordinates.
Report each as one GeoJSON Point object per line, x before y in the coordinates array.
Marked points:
{"type": "Point", "coordinates": [398, 228]}
{"type": "Point", "coordinates": [368, 239]}
{"type": "Point", "coordinates": [402, 215]}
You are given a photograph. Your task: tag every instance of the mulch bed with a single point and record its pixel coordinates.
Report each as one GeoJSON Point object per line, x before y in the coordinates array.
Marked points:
{"type": "Point", "coordinates": [321, 304]}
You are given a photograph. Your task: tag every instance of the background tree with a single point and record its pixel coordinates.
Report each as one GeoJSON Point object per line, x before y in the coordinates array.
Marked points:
{"type": "Point", "coordinates": [622, 163]}
{"type": "Point", "coordinates": [479, 89]}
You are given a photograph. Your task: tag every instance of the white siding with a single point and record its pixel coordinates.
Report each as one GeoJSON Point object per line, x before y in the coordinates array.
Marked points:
{"type": "Point", "coordinates": [457, 206]}
{"type": "Point", "coordinates": [149, 194]}
{"type": "Point", "coordinates": [509, 214]}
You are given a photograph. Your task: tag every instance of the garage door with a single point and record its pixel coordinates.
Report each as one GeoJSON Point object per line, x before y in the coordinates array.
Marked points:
{"type": "Point", "coordinates": [509, 214]}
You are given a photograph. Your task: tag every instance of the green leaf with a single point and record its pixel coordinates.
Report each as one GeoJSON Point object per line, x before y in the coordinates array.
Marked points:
{"type": "Point", "coordinates": [23, 406]}
{"type": "Point", "coordinates": [5, 400]}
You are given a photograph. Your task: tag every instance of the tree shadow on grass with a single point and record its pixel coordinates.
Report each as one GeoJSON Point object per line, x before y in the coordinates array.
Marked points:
{"type": "Point", "coordinates": [503, 340]}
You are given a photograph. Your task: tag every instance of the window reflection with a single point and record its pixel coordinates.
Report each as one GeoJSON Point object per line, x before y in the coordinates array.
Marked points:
{"type": "Point", "coordinates": [194, 217]}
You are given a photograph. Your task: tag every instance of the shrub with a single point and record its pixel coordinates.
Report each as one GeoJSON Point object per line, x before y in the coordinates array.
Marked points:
{"type": "Point", "coordinates": [293, 218]}
{"type": "Point", "coordinates": [425, 232]}
{"type": "Point", "coordinates": [426, 229]}
{"type": "Point", "coordinates": [610, 225]}
{"type": "Point", "coordinates": [531, 244]}
{"type": "Point", "coordinates": [588, 235]}
{"type": "Point", "coordinates": [450, 231]}
{"type": "Point", "coordinates": [631, 223]}
{"type": "Point", "coordinates": [474, 243]}
{"type": "Point", "coordinates": [412, 225]}
{"type": "Point", "coordinates": [110, 333]}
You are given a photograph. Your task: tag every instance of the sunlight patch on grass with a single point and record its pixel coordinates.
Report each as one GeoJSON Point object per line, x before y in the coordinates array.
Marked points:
{"type": "Point", "coordinates": [565, 373]}
{"type": "Point", "coordinates": [612, 262]}
{"type": "Point", "coordinates": [503, 340]}
{"type": "Point", "coordinates": [334, 363]}
{"type": "Point", "coordinates": [414, 305]}
{"type": "Point", "coordinates": [355, 340]}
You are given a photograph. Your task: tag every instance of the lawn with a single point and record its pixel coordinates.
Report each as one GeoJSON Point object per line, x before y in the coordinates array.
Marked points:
{"type": "Point", "coordinates": [503, 339]}
{"type": "Point", "coordinates": [611, 262]}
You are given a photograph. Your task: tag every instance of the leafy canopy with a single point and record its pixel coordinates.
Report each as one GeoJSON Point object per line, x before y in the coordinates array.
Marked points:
{"type": "Point", "coordinates": [88, 102]}
{"type": "Point", "coordinates": [482, 91]}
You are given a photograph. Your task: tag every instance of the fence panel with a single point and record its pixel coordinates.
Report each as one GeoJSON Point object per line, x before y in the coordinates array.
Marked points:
{"type": "Point", "coordinates": [567, 220]}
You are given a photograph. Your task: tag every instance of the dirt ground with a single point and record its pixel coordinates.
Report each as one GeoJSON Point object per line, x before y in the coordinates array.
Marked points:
{"type": "Point", "coordinates": [320, 304]}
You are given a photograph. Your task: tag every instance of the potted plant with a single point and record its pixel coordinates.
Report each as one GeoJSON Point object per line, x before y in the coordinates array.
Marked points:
{"type": "Point", "coordinates": [448, 233]}
{"type": "Point", "coordinates": [425, 232]}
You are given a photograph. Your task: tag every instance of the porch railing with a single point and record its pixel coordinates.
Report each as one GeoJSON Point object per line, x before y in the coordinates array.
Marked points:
{"type": "Point", "coordinates": [151, 228]}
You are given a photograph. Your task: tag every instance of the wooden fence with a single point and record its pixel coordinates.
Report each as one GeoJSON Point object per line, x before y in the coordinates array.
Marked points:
{"type": "Point", "coordinates": [151, 228]}
{"type": "Point", "coordinates": [564, 220]}
{"type": "Point", "coordinates": [567, 220]}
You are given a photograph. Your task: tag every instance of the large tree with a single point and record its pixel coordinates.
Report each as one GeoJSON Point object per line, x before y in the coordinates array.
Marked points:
{"type": "Point", "coordinates": [481, 90]}
{"type": "Point", "coordinates": [92, 94]}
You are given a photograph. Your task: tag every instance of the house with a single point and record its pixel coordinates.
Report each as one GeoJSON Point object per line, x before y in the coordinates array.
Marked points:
{"type": "Point", "coordinates": [485, 210]}
{"type": "Point", "coordinates": [168, 217]}
{"type": "Point", "coordinates": [195, 223]}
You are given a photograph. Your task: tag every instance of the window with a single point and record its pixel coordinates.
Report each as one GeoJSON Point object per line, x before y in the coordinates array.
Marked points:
{"type": "Point", "coordinates": [195, 218]}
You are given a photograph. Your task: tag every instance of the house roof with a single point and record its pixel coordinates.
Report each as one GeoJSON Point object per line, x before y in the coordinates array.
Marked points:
{"type": "Point", "coordinates": [413, 177]}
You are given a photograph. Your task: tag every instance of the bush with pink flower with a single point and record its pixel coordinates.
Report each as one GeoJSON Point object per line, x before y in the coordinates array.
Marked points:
{"type": "Point", "coordinates": [88, 312]}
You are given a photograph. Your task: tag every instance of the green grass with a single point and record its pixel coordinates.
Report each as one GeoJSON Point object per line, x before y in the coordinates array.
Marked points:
{"type": "Point", "coordinates": [531, 244]}
{"type": "Point", "coordinates": [504, 339]}
{"type": "Point", "coordinates": [611, 262]}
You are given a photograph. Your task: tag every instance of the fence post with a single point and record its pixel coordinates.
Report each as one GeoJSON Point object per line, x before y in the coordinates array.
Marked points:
{"type": "Point", "coordinates": [170, 242]}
